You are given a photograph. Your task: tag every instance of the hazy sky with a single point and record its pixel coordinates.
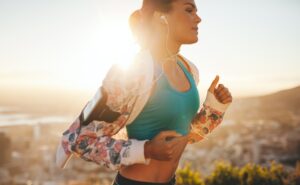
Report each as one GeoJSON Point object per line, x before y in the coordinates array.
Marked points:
{"type": "Point", "coordinates": [253, 45]}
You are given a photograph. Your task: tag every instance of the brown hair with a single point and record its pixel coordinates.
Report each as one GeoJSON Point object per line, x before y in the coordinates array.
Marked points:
{"type": "Point", "coordinates": [140, 20]}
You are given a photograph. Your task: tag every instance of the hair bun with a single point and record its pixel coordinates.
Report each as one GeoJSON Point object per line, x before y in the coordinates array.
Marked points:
{"type": "Point", "coordinates": [139, 28]}
{"type": "Point", "coordinates": [135, 21]}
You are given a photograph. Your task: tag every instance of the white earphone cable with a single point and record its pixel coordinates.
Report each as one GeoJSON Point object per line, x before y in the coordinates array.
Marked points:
{"type": "Point", "coordinates": [170, 56]}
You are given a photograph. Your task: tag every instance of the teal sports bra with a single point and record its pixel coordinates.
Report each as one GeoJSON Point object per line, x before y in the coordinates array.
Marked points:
{"type": "Point", "coordinates": [166, 109]}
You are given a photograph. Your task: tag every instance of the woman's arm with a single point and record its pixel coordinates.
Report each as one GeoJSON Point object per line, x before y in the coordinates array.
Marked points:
{"type": "Point", "coordinates": [207, 119]}
{"type": "Point", "coordinates": [92, 140]}
{"type": "Point", "coordinates": [212, 112]}
{"type": "Point", "coordinates": [94, 143]}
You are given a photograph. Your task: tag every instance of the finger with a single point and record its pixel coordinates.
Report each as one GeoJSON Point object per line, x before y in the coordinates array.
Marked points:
{"type": "Point", "coordinates": [223, 89]}
{"type": "Point", "coordinates": [223, 97]}
{"type": "Point", "coordinates": [174, 142]}
{"type": "Point", "coordinates": [227, 100]}
{"type": "Point", "coordinates": [180, 138]}
{"type": "Point", "coordinates": [168, 133]}
{"type": "Point", "coordinates": [220, 88]}
{"type": "Point", "coordinates": [217, 91]}
{"type": "Point", "coordinates": [223, 92]}
{"type": "Point", "coordinates": [184, 138]}
{"type": "Point", "coordinates": [214, 84]}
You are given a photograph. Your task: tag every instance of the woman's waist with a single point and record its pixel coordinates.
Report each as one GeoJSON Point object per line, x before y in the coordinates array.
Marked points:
{"type": "Point", "coordinates": [156, 171]}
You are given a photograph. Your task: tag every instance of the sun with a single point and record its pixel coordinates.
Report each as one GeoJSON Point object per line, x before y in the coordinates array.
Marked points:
{"type": "Point", "coordinates": [117, 47]}
{"type": "Point", "coordinates": [120, 45]}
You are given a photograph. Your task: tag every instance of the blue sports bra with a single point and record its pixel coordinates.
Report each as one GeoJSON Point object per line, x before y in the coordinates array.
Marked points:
{"type": "Point", "coordinates": [166, 109]}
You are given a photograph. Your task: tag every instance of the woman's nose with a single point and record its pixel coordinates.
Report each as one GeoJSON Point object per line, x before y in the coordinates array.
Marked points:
{"type": "Point", "coordinates": [198, 19]}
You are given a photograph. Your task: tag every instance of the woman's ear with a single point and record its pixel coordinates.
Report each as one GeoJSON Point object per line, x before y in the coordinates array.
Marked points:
{"type": "Point", "coordinates": [159, 17]}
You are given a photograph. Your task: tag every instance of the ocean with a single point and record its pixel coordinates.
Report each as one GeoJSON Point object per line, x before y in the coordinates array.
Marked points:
{"type": "Point", "coordinates": [10, 116]}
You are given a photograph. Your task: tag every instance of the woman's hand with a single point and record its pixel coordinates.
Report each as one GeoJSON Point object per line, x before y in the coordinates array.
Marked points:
{"type": "Point", "coordinates": [221, 92]}
{"type": "Point", "coordinates": [165, 145]}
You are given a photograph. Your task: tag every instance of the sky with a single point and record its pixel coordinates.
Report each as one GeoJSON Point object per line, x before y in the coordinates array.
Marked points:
{"type": "Point", "coordinates": [254, 46]}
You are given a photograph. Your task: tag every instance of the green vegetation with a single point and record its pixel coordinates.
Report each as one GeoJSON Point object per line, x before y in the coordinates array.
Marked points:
{"type": "Point", "coordinates": [186, 176]}
{"type": "Point", "coordinates": [250, 174]}
{"type": "Point", "coordinates": [224, 173]}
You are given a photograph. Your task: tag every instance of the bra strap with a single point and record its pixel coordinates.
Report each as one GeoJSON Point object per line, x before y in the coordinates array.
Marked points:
{"type": "Point", "coordinates": [186, 64]}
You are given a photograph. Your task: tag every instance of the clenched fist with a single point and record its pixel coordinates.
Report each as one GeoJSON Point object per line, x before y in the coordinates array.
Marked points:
{"type": "Point", "coordinates": [221, 93]}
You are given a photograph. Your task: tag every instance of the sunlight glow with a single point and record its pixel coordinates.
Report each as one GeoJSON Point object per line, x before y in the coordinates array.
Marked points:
{"type": "Point", "coordinates": [117, 47]}
{"type": "Point", "coordinates": [119, 44]}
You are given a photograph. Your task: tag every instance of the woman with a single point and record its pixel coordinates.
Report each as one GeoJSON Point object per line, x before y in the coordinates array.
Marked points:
{"type": "Point", "coordinates": [156, 99]}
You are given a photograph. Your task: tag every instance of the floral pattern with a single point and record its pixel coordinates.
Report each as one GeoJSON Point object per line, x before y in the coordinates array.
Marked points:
{"type": "Point", "coordinates": [93, 143]}
{"type": "Point", "coordinates": [204, 123]}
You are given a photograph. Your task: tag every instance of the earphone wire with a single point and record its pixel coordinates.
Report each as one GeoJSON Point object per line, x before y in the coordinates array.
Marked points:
{"type": "Point", "coordinates": [162, 66]}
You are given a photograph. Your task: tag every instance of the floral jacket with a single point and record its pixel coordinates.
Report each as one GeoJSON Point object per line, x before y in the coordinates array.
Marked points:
{"type": "Point", "coordinates": [106, 142]}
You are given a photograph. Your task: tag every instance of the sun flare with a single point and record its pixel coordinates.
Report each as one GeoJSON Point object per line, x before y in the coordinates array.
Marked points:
{"type": "Point", "coordinates": [120, 46]}
{"type": "Point", "coordinates": [117, 47]}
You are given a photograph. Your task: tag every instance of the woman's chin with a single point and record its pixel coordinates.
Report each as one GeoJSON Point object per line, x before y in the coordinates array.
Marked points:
{"type": "Point", "coordinates": [191, 40]}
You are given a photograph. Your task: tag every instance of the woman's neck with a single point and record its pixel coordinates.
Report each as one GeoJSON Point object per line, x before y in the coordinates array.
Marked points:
{"type": "Point", "coordinates": [161, 54]}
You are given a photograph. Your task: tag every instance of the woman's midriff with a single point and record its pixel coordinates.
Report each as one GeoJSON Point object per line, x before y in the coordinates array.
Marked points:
{"type": "Point", "coordinates": [156, 171]}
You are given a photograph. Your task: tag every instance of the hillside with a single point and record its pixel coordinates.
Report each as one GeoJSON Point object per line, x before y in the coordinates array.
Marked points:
{"type": "Point", "coordinates": [282, 105]}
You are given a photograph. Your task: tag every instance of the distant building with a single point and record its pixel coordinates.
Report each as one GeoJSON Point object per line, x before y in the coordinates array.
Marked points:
{"type": "Point", "coordinates": [36, 132]}
{"type": "Point", "coordinates": [5, 152]}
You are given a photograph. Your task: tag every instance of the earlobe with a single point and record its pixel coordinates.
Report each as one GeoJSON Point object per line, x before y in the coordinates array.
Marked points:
{"type": "Point", "coordinates": [164, 19]}
{"type": "Point", "coordinates": [161, 17]}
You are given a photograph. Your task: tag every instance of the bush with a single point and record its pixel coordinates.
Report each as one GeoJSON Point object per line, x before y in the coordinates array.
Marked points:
{"type": "Point", "coordinates": [250, 174]}
{"type": "Point", "coordinates": [186, 176]}
{"type": "Point", "coordinates": [294, 178]}
{"type": "Point", "coordinates": [255, 174]}
{"type": "Point", "coordinates": [277, 174]}
{"type": "Point", "coordinates": [223, 174]}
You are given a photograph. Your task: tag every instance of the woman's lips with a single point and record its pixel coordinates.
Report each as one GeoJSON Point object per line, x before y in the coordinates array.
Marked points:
{"type": "Point", "coordinates": [195, 28]}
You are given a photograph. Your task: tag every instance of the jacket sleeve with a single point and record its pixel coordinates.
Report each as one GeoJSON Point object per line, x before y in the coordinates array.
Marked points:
{"type": "Point", "coordinates": [94, 141]}
{"type": "Point", "coordinates": [207, 119]}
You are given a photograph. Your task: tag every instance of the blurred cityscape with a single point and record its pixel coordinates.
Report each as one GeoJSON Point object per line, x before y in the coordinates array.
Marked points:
{"type": "Point", "coordinates": [258, 130]}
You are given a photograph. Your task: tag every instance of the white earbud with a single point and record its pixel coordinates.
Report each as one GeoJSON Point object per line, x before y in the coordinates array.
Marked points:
{"type": "Point", "coordinates": [164, 19]}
